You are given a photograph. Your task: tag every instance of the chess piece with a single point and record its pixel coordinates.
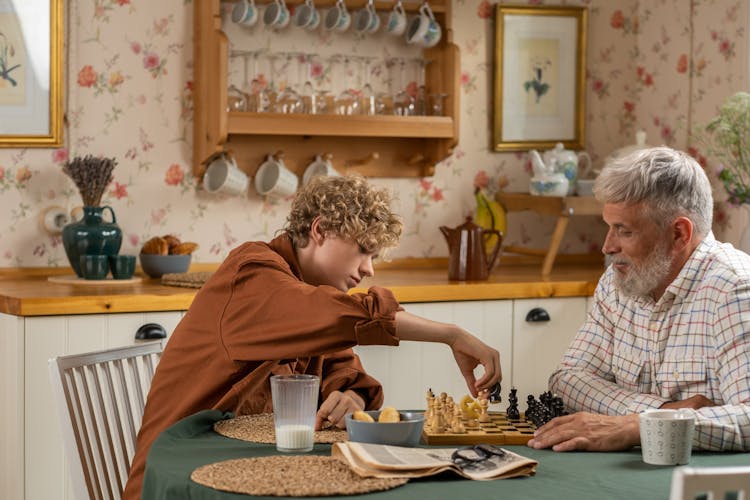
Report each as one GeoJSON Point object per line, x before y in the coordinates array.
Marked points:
{"type": "Point", "coordinates": [512, 411]}
{"type": "Point", "coordinates": [484, 417]}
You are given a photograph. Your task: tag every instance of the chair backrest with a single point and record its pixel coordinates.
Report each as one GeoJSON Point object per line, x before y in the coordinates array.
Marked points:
{"type": "Point", "coordinates": [100, 398]}
{"type": "Point", "coordinates": [713, 482]}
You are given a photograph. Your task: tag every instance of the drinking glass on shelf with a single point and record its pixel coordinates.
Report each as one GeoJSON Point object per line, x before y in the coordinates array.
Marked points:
{"type": "Point", "coordinates": [420, 92]}
{"type": "Point", "coordinates": [288, 100]}
{"type": "Point", "coordinates": [403, 102]}
{"type": "Point", "coordinates": [236, 99]}
{"type": "Point", "coordinates": [437, 104]}
{"type": "Point", "coordinates": [346, 101]}
{"type": "Point", "coordinates": [259, 99]}
{"type": "Point", "coordinates": [368, 99]}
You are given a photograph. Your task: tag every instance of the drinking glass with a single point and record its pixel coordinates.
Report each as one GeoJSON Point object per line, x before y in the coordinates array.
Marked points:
{"type": "Point", "coordinates": [346, 101]}
{"type": "Point", "coordinates": [403, 102]}
{"type": "Point", "coordinates": [289, 100]}
{"type": "Point", "coordinates": [295, 401]}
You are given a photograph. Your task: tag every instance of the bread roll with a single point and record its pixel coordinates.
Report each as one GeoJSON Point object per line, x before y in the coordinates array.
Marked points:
{"type": "Point", "coordinates": [389, 414]}
{"type": "Point", "coordinates": [362, 416]}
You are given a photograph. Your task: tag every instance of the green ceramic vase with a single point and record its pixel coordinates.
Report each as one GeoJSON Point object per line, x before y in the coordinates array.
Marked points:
{"type": "Point", "coordinates": [91, 236]}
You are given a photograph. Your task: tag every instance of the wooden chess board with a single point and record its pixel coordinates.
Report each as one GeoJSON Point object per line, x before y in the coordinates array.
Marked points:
{"type": "Point", "coordinates": [499, 431]}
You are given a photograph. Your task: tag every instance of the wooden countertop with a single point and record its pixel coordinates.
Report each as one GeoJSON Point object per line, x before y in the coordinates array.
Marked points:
{"type": "Point", "coordinates": [27, 292]}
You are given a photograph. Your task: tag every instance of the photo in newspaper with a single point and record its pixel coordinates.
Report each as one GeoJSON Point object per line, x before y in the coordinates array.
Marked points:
{"type": "Point", "coordinates": [383, 461]}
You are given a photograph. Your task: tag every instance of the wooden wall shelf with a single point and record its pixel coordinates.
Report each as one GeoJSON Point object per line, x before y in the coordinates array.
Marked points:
{"type": "Point", "coordinates": [341, 126]}
{"type": "Point", "coordinates": [394, 146]}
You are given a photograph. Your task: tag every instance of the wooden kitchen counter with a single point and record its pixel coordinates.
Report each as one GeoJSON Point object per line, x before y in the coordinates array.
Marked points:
{"type": "Point", "coordinates": [27, 292]}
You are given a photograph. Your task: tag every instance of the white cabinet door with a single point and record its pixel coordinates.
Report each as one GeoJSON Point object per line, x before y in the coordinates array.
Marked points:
{"type": "Point", "coordinates": [46, 476]}
{"type": "Point", "coordinates": [538, 346]}
{"type": "Point", "coordinates": [407, 371]}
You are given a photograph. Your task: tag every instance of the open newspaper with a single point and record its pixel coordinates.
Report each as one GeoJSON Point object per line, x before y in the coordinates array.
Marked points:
{"type": "Point", "coordinates": [382, 461]}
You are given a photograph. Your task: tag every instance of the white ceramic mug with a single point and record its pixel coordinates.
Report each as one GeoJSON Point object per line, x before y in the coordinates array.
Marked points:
{"type": "Point", "coordinates": [337, 17]}
{"type": "Point", "coordinates": [223, 176]}
{"type": "Point", "coordinates": [396, 24]}
{"type": "Point", "coordinates": [666, 436]}
{"type": "Point", "coordinates": [245, 13]}
{"type": "Point", "coordinates": [366, 19]}
{"type": "Point", "coordinates": [306, 16]}
{"type": "Point", "coordinates": [276, 15]}
{"type": "Point", "coordinates": [320, 166]}
{"type": "Point", "coordinates": [274, 179]}
{"type": "Point", "coordinates": [423, 30]}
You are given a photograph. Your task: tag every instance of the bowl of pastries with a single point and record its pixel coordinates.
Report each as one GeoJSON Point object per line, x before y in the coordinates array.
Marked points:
{"type": "Point", "coordinates": [166, 254]}
{"type": "Point", "coordinates": [386, 426]}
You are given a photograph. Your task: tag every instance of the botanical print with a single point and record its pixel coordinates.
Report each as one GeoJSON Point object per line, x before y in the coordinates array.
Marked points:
{"type": "Point", "coordinates": [538, 57]}
{"type": "Point", "coordinates": [12, 62]}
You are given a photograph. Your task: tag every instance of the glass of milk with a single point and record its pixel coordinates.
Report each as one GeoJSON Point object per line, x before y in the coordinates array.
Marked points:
{"type": "Point", "coordinates": [295, 403]}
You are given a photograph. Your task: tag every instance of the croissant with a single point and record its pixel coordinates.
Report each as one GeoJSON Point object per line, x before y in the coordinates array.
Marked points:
{"type": "Point", "coordinates": [156, 246]}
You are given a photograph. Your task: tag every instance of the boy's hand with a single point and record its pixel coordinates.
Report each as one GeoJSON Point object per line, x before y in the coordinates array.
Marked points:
{"type": "Point", "coordinates": [470, 352]}
{"type": "Point", "coordinates": [335, 407]}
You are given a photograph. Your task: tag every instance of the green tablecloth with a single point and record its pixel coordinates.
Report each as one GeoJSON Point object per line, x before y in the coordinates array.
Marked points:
{"type": "Point", "coordinates": [192, 442]}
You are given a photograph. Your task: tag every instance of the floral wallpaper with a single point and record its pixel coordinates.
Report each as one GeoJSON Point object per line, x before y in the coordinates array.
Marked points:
{"type": "Point", "coordinates": [663, 66]}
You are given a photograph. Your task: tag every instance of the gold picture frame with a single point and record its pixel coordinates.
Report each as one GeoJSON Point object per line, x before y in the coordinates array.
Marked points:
{"type": "Point", "coordinates": [540, 77]}
{"type": "Point", "coordinates": [31, 73]}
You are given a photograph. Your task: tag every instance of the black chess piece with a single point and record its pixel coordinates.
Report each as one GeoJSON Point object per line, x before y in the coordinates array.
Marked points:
{"type": "Point", "coordinates": [512, 412]}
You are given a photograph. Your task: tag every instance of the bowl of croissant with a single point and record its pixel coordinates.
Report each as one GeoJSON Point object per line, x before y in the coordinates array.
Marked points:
{"type": "Point", "coordinates": [386, 426]}
{"type": "Point", "coordinates": [166, 254]}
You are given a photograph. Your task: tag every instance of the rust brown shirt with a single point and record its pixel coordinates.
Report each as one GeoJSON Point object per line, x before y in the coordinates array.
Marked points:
{"type": "Point", "coordinates": [253, 318]}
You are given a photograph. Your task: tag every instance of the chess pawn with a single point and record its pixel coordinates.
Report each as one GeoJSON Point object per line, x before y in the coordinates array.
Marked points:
{"type": "Point", "coordinates": [484, 417]}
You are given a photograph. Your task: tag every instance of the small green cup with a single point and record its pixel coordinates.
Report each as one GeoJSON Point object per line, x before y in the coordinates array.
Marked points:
{"type": "Point", "coordinates": [122, 266]}
{"type": "Point", "coordinates": [94, 267]}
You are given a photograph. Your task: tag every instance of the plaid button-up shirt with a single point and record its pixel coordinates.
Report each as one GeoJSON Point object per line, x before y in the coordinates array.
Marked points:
{"type": "Point", "coordinates": [632, 354]}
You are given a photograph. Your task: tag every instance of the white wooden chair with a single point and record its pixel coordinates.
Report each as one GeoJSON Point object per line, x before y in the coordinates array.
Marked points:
{"type": "Point", "coordinates": [100, 398]}
{"type": "Point", "coordinates": [715, 482]}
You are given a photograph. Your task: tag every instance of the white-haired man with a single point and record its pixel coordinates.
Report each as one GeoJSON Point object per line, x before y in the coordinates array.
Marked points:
{"type": "Point", "coordinates": [670, 322]}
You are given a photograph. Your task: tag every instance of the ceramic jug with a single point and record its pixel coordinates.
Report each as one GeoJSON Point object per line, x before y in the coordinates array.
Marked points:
{"type": "Point", "coordinates": [564, 161]}
{"type": "Point", "coordinates": [466, 245]}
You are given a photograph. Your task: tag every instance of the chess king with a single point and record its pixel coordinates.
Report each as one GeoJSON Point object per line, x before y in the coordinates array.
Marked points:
{"type": "Point", "coordinates": [669, 326]}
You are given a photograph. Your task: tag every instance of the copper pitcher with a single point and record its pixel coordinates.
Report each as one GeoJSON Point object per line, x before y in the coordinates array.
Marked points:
{"type": "Point", "coordinates": [468, 256]}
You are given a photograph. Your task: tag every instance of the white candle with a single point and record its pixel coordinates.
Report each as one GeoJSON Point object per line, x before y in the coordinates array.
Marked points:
{"type": "Point", "coordinates": [294, 438]}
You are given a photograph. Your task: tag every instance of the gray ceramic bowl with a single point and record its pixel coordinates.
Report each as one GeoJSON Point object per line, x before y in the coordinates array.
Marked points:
{"type": "Point", "coordinates": [156, 265]}
{"type": "Point", "coordinates": [404, 433]}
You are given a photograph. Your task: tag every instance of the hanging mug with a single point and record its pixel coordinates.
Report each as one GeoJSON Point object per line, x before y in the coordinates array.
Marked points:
{"type": "Point", "coordinates": [276, 15]}
{"type": "Point", "coordinates": [306, 16]}
{"type": "Point", "coordinates": [245, 13]}
{"type": "Point", "coordinates": [337, 17]}
{"type": "Point", "coordinates": [424, 30]}
{"type": "Point", "coordinates": [366, 20]}
{"type": "Point", "coordinates": [273, 178]}
{"type": "Point", "coordinates": [396, 24]}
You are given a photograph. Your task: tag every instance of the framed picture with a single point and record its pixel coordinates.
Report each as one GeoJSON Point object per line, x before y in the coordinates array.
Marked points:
{"type": "Point", "coordinates": [31, 79]}
{"type": "Point", "coordinates": [540, 73]}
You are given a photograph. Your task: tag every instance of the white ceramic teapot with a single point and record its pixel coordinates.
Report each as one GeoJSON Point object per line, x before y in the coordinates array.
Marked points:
{"type": "Point", "coordinates": [547, 180]}
{"type": "Point", "coordinates": [566, 162]}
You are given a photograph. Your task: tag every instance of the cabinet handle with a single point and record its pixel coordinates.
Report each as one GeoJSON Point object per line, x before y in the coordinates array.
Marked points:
{"type": "Point", "coordinates": [151, 331]}
{"type": "Point", "coordinates": [537, 315]}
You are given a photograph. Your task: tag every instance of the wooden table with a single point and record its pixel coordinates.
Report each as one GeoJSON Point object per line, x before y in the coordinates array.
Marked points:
{"type": "Point", "coordinates": [561, 207]}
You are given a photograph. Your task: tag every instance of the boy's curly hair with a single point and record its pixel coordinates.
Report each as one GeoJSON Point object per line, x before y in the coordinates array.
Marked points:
{"type": "Point", "coordinates": [349, 207]}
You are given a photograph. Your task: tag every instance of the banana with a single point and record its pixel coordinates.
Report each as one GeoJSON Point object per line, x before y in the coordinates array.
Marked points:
{"type": "Point", "coordinates": [489, 215]}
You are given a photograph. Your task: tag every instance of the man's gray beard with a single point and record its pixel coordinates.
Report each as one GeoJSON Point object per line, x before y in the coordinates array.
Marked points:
{"type": "Point", "coordinates": [641, 280]}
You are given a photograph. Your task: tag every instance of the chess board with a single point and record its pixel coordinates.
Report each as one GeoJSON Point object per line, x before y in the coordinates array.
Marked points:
{"type": "Point", "coordinates": [499, 431]}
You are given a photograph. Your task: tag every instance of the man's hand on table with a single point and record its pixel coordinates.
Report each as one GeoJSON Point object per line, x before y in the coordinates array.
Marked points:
{"type": "Point", "coordinates": [588, 431]}
{"type": "Point", "coordinates": [694, 402]}
{"type": "Point", "coordinates": [335, 407]}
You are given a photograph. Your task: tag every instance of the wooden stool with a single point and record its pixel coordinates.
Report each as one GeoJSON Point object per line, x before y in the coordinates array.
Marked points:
{"type": "Point", "coordinates": [561, 207]}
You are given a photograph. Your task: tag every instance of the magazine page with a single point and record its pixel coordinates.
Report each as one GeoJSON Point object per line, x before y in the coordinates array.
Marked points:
{"type": "Point", "coordinates": [396, 461]}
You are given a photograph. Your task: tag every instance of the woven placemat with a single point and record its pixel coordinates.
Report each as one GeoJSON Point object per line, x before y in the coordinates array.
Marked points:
{"type": "Point", "coordinates": [259, 429]}
{"type": "Point", "coordinates": [189, 280]}
{"type": "Point", "coordinates": [293, 475]}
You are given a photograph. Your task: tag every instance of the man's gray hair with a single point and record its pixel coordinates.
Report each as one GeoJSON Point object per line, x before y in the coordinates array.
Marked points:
{"type": "Point", "coordinates": [671, 183]}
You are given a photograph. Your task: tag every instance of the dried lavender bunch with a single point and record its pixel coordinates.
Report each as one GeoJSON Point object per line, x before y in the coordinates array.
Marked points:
{"type": "Point", "coordinates": [91, 175]}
